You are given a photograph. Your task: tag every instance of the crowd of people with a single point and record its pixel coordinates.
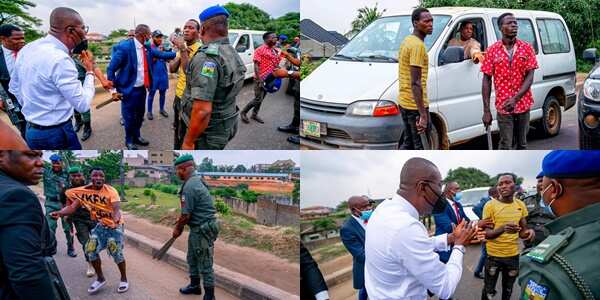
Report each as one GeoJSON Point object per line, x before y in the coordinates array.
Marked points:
{"type": "Point", "coordinates": [396, 257]}
{"type": "Point", "coordinates": [43, 94]}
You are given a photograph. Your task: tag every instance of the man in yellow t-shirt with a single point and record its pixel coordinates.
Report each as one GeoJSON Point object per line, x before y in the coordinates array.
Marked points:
{"type": "Point", "coordinates": [413, 65]}
{"type": "Point", "coordinates": [187, 44]}
{"type": "Point", "coordinates": [103, 203]}
{"type": "Point", "coordinates": [508, 215]}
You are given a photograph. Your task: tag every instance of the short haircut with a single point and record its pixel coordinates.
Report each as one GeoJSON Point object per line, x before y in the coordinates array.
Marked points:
{"type": "Point", "coordinates": [217, 24]}
{"type": "Point", "coordinates": [501, 18]}
{"type": "Point", "coordinates": [266, 35]}
{"type": "Point", "coordinates": [416, 14]}
{"type": "Point", "coordinates": [513, 176]}
{"type": "Point", "coordinates": [142, 28]}
{"type": "Point", "coordinates": [6, 30]}
{"type": "Point", "coordinates": [197, 23]}
{"type": "Point", "coordinates": [463, 24]}
{"type": "Point", "coordinates": [97, 169]}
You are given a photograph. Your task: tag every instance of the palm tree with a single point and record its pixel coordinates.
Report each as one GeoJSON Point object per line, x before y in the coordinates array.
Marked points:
{"type": "Point", "coordinates": [366, 16]}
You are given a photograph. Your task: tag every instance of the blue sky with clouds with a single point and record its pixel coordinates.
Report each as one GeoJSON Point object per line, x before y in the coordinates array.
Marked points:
{"type": "Point", "coordinates": [106, 15]}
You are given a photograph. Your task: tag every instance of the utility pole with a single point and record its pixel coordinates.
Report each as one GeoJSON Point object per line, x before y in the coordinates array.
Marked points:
{"type": "Point", "coordinates": [122, 177]}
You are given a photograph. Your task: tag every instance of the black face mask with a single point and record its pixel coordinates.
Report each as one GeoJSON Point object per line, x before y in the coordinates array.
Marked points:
{"type": "Point", "coordinates": [83, 45]}
{"type": "Point", "coordinates": [440, 203]}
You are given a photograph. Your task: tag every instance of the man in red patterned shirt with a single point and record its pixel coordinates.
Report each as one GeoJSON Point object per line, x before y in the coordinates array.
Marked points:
{"type": "Point", "coordinates": [266, 60]}
{"type": "Point", "coordinates": [511, 62]}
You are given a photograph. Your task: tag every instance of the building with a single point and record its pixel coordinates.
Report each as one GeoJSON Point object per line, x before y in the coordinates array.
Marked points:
{"type": "Point", "coordinates": [315, 212]}
{"type": "Point", "coordinates": [309, 233]}
{"type": "Point", "coordinates": [318, 42]}
{"type": "Point", "coordinates": [260, 167]}
{"type": "Point", "coordinates": [233, 176]}
{"type": "Point", "coordinates": [95, 37]}
{"type": "Point", "coordinates": [135, 161]}
{"type": "Point", "coordinates": [162, 157]}
{"type": "Point", "coordinates": [155, 172]}
{"type": "Point", "coordinates": [285, 165]}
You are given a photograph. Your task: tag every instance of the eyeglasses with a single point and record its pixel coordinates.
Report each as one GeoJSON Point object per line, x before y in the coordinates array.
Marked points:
{"type": "Point", "coordinates": [85, 28]}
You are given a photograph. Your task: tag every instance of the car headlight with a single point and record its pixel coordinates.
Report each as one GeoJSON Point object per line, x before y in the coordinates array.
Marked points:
{"type": "Point", "coordinates": [373, 108]}
{"type": "Point", "coordinates": [591, 89]}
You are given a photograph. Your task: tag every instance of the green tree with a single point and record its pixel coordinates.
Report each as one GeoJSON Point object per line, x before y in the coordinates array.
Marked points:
{"type": "Point", "coordinates": [324, 224]}
{"type": "Point", "coordinates": [107, 160]}
{"type": "Point", "coordinates": [95, 49]}
{"type": "Point", "coordinates": [296, 193]}
{"type": "Point", "coordinates": [581, 16]}
{"type": "Point", "coordinates": [15, 12]}
{"type": "Point", "coordinates": [117, 33]}
{"type": "Point", "coordinates": [342, 206]}
{"type": "Point", "coordinates": [69, 158]}
{"type": "Point", "coordinates": [240, 169]}
{"type": "Point", "coordinates": [206, 165]}
{"type": "Point", "coordinates": [366, 16]}
{"type": "Point", "coordinates": [247, 16]}
{"type": "Point", "coordinates": [494, 179]}
{"type": "Point", "coordinates": [468, 177]}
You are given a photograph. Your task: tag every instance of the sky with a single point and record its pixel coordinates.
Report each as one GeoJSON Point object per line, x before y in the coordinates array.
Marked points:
{"type": "Point", "coordinates": [330, 177]}
{"type": "Point", "coordinates": [103, 16]}
{"type": "Point", "coordinates": [333, 16]}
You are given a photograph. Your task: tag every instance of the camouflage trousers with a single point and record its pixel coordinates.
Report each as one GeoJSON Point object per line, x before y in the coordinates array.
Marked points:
{"type": "Point", "coordinates": [67, 225]}
{"type": "Point", "coordinates": [83, 228]}
{"type": "Point", "coordinates": [200, 257]}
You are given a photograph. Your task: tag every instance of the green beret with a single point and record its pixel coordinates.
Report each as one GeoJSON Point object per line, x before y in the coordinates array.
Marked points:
{"type": "Point", "coordinates": [183, 158]}
{"type": "Point", "coordinates": [74, 169]}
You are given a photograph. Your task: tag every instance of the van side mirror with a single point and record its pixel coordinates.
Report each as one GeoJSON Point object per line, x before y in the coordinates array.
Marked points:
{"type": "Point", "coordinates": [590, 55]}
{"type": "Point", "coordinates": [453, 54]}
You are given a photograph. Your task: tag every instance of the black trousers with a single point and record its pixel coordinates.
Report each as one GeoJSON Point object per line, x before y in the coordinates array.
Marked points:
{"type": "Point", "coordinates": [411, 139]}
{"type": "Point", "coordinates": [509, 267]}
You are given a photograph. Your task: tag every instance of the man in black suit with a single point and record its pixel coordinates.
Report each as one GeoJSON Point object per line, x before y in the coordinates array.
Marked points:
{"type": "Point", "coordinates": [26, 243]}
{"type": "Point", "coordinates": [13, 39]}
{"type": "Point", "coordinates": [353, 237]}
{"type": "Point", "coordinates": [312, 283]}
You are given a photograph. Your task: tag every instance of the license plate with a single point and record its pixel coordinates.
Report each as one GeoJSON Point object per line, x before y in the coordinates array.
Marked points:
{"type": "Point", "coordinates": [311, 128]}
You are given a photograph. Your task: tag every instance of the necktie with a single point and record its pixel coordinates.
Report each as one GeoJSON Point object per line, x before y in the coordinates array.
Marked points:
{"type": "Point", "coordinates": [458, 218]}
{"type": "Point", "coordinates": [15, 54]}
{"type": "Point", "coordinates": [146, 73]}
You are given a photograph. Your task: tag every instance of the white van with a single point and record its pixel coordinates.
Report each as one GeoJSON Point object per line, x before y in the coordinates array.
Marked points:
{"type": "Point", "coordinates": [245, 42]}
{"type": "Point", "coordinates": [345, 102]}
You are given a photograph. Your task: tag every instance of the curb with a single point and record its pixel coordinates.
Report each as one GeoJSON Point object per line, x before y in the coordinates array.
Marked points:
{"type": "Point", "coordinates": [338, 277]}
{"type": "Point", "coordinates": [238, 284]}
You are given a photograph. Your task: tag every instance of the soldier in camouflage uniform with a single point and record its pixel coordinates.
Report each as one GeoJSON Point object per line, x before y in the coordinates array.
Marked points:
{"type": "Point", "coordinates": [215, 76]}
{"type": "Point", "coordinates": [198, 212]}
{"type": "Point", "coordinates": [538, 215]}
{"type": "Point", "coordinates": [565, 265]}
{"type": "Point", "coordinates": [55, 184]}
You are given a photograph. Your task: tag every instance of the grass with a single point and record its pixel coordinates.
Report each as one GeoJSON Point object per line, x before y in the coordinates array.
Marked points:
{"type": "Point", "coordinates": [329, 252]}
{"type": "Point", "coordinates": [235, 229]}
{"type": "Point", "coordinates": [584, 66]}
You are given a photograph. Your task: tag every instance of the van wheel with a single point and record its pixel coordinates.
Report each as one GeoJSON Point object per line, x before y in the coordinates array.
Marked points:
{"type": "Point", "coordinates": [551, 118]}
{"type": "Point", "coordinates": [587, 141]}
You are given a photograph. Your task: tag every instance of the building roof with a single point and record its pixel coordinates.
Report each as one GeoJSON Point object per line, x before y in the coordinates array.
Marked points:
{"type": "Point", "coordinates": [244, 174]}
{"type": "Point", "coordinates": [316, 207]}
{"type": "Point", "coordinates": [314, 31]}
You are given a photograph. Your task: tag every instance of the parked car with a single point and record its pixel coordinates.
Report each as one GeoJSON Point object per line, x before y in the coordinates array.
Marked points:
{"type": "Point", "coordinates": [245, 42]}
{"type": "Point", "coordinates": [588, 106]}
{"type": "Point", "coordinates": [470, 198]}
{"type": "Point", "coordinates": [350, 101]}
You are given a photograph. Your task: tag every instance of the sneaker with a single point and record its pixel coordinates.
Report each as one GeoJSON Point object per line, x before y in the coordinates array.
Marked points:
{"type": "Point", "coordinates": [150, 116]}
{"type": "Point", "coordinates": [95, 287]}
{"type": "Point", "coordinates": [90, 271]}
{"type": "Point", "coordinates": [478, 275]}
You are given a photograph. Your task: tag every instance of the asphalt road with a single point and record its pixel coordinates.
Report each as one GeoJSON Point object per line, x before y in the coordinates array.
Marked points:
{"type": "Point", "coordinates": [469, 287]}
{"type": "Point", "coordinates": [276, 110]}
{"type": "Point", "coordinates": [148, 279]}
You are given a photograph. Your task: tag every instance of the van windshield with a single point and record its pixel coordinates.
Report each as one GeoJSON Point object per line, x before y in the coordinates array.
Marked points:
{"type": "Point", "coordinates": [381, 40]}
{"type": "Point", "coordinates": [232, 37]}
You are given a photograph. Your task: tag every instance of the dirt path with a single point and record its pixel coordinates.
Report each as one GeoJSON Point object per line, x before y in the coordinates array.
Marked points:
{"type": "Point", "coordinates": [262, 266]}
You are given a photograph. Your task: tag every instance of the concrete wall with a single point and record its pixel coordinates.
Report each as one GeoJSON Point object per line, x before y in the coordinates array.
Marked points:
{"type": "Point", "coordinates": [266, 212]}
{"type": "Point", "coordinates": [137, 181]}
{"type": "Point", "coordinates": [242, 207]}
{"type": "Point", "coordinates": [320, 243]}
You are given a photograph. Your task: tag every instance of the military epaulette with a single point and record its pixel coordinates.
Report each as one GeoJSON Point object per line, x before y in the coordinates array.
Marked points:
{"type": "Point", "coordinates": [543, 252]}
{"type": "Point", "coordinates": [211, 49]}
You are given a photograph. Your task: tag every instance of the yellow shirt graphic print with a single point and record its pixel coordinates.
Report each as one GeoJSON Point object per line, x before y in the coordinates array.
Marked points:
{"type": "Point", "coordinates": [98, 202]}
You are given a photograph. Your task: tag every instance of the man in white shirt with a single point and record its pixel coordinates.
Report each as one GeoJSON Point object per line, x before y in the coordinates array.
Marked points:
{"type": "Point", "coordinates": [45, 83]}
{"type": "Point", "coordinates": [400, 262]}
{"type": "Point", "coordinates": [13, 39]}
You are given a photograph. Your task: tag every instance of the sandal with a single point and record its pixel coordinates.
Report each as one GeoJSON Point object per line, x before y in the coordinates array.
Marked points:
{"type": "Point", "coordinates": [123, 287]}
{"type": "Point", "coordinates": [96, 285]}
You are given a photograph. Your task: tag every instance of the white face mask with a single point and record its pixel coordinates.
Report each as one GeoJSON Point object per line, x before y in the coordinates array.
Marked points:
{"type": "Point", "coordinates": [549, 206]}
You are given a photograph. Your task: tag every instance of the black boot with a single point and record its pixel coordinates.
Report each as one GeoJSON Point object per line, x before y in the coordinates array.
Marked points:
{"type": "Point", "coordinates": [87, 130]}
{"type": "Point", "coordinates": [209, 293]}
{"type": "Point", "coordinates": [78, 123]}
{"type": "Point", "coordinates": [193, 287]}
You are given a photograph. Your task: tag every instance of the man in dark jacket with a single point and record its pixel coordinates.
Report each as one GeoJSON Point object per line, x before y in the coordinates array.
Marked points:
{"type": "Point", "coordinates": [23, 272]}
{"type": "Point", "coordinates": [312, 283]}
{"type": "Point", "coordinates": [353, 237]}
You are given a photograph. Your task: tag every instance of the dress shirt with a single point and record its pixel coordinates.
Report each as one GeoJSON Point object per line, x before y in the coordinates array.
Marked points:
{"type": "Point", "coordinates": [322, 295]}
{"type": "Point", "coordinates": [455, 210]}
{"type": "Point", "coordinates": [400, 262]}
{"type": "Point", "coordinates": [9, 58]}
{"type": "Point", "coordinates": [139, 52]}
{"type": "Point", "coordinates": [44, 80]}
{"type": "Point", "coordinates": [361, 222]}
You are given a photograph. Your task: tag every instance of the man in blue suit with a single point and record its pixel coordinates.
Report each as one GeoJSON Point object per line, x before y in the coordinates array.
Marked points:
{"type": "Point", "coordinates": [160, 77]}
{"type": "Point", "coordinates": [452, 215]}
{"type": "Point", "coordinates": [353, 237]}
{"type": "Point", "coordinates": [131, 73]}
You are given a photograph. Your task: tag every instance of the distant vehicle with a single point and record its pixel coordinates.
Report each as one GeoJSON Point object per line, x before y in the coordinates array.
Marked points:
{"type": "Point", "coordinates": [245, 42]}
{"type": "Point", "coordinates": [588, 105]}
{"type": "Point", "coordinates": [350, 100]}
{"type": "Point", "coordinates": [470, 198]}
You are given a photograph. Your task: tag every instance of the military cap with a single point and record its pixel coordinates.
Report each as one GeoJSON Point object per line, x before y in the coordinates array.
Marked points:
{"type": "Point", "coordinates": [571, 164]}
{"type": "Point", "coordinates": [74, 169]}
{"type": "Point", "coordinates": [183, 158]}
{"type": "Point", "coordinates": [540, 175]}
{"type": "Point", "coordinates": [55, 157]}
{"type": "Point", "coordinates": [157, 33]}
{"type": "Point", "coordinates": [283, 37]}
{"type": "Point", "coordinates": [213, 11]}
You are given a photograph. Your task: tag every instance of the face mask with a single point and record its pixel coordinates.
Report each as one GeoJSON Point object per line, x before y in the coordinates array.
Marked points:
{"type": "Point", "coordinates": [458, 196]}
{"type": "Point", "coordinates": [83, 45]}
{"type": "Point", "coordinates": [366, 214]}
{"type": "Point", "coordinates": [547, 207]}
{"type": "Point", "coordinates": [148, 43]}
{"type": "Point", "coordinates": [440, 204]}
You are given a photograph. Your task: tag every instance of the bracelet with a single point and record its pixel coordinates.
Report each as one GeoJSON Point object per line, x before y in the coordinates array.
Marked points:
{"type": "Point", "coordinates": [461, 249]}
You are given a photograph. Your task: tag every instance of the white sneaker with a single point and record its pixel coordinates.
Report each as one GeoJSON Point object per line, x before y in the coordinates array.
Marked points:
{"type": "Point", "coordinates": [123, 287]}
{"type": "Point", "coordinates": [96, 285]}
{"type": "Point", "coordinates": [90, 271]}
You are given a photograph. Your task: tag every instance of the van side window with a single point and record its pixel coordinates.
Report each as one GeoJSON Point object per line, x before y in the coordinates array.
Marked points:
{"type": "Point", "coordinates": [553, 35]}
{"type": "Point", "coordinates": [526, 32]}
{"type": "Point", "coordinates": [243, 44]}
{"type": "Point", "coordinates": [477, 42]}
{"type": "Point", "coordinates": [257, 40]}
